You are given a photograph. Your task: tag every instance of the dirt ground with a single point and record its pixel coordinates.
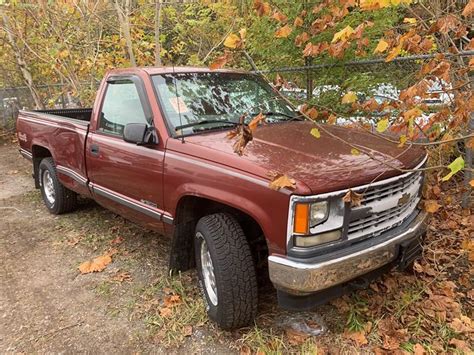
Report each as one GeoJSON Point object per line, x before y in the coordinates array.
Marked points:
{"type": "Point", "coordinates": [46, 305]}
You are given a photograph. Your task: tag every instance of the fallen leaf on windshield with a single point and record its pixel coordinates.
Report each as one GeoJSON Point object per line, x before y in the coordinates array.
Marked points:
{"type": "Point", "coordinates": [260, 118]}
{"type": "Point", "coordinates": [243, 135]}
{"type": "Point", "coordinates": [352, 197]}
{"type": "Point", "coordinates": [96, 265]}
{"type": "Point", "coordinates": [280, 181]}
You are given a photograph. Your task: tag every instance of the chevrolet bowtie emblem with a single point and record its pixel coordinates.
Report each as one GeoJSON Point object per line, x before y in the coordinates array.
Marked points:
{"type": "Point", "coordinates": [404, 199]}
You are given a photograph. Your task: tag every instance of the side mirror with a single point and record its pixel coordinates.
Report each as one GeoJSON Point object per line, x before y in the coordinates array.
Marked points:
{"type": "Point", "coordinates": [140, 134]}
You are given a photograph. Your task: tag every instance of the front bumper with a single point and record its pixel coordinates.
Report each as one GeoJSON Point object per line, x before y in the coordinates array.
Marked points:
{"type": "Point", "coordinates": [301, 278]}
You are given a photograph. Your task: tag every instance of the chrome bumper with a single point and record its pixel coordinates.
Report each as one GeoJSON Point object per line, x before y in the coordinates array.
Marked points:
{"type": "Point", "coordinates": [297, 277]}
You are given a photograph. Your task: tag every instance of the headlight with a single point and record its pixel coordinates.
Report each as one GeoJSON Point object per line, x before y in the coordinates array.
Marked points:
{"type": "Point", "coordinates": [316, 222]}
{"type": "Point", "coordinates": [318, 213]}
{"type": "Point", "coordinates": [308, 215]}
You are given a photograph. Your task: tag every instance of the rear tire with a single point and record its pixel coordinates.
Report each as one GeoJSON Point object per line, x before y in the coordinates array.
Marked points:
{"type": "Point", "coordinates": [57, 198]}
{"type": "Point", "coordinates": [226, 271]}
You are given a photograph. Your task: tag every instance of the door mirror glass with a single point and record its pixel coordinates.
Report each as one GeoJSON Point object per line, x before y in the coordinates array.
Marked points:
{"type": "Point", "coordinates": [140, 134]}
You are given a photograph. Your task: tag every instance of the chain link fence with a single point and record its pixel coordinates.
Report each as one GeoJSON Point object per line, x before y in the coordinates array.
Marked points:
{"type": "Point", "coordinates": [324, 84]}
{"type": "Point", "coordinates": [54, 96]}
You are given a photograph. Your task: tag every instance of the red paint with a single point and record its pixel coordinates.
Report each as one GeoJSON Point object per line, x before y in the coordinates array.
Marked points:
{"type": "Point", "coordinates": [206, 166]}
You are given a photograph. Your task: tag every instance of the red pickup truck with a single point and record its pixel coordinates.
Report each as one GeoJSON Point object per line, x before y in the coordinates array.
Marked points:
{"type": "Point", "coordinates": [154, 149]}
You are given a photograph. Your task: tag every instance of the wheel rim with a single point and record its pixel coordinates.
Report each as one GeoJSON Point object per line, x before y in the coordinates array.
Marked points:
{"type": "Point", "coordinates": [207, 268]}
{"type": "Point", "coordinates": [48, 187]}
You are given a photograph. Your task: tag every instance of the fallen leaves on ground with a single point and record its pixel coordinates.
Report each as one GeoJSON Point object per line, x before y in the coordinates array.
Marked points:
{"type": "Point", "coordinates": [116, 241]}
{"type": "Point", "coordinates": [432, 206]}
{"type": "Point", "coordinates": [430, 305]}
{"type": "Point", "coordinates": [391, 333]}
{"type": "Point", "coordinates": [283, 32]}
{"type": "Point", "coordinates": [95, 265]}
{"type": "Point", "coordinates": [295, 337]}
{"type": "Point", "coordinates": [381, 46]}
{"type": "Point", "coordinates": [122, 276]}
{"type": "Point", "coordinates": [358, 337]}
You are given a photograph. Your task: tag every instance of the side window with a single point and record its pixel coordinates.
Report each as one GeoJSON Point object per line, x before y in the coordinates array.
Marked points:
{"type": "Point", "coordinates": [121, 106]}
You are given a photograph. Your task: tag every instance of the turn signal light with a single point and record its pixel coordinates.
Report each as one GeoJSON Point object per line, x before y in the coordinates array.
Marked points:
{"type": "Point", "coordinates": [301, 219]}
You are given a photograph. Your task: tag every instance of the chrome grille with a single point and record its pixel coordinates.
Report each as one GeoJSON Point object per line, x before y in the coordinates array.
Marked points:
{"type": "Point", "coordinates": [386, 206]}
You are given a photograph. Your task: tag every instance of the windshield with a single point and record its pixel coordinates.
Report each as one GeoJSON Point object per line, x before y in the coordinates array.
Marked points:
{"type": "Point", "coordinates": [217, 100]}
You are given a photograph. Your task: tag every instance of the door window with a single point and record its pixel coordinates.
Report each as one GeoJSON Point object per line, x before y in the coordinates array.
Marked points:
{"type": "Point", "coordinates": [121, 106]}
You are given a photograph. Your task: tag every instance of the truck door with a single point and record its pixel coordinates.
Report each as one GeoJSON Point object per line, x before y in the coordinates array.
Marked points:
{"type": "Point", "coordinates": [124, 177]}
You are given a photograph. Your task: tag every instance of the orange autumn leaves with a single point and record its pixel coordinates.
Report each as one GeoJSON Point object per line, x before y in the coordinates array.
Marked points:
{"type": "Point", "coordinates": [97, 264]}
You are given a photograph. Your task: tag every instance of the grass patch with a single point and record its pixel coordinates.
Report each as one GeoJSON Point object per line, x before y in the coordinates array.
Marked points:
{"type": "Point", "coordinates": [172, 308]}
{"type": "Point", "coordinates": [263, 341]}
{"type": "Point", "coordinates": [104, 288]}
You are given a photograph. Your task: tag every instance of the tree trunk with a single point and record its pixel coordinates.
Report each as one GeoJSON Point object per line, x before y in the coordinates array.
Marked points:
{"type": "Point", "coordinates": [21, 62]}
{"type": "Point", "coordinates": [157, 33]}
{"type": "Point", "coordinates": [124, 19]}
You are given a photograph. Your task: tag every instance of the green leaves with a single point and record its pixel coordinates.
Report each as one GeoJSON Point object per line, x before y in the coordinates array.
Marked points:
{"type": "Point", "coordinates": [456, 166]}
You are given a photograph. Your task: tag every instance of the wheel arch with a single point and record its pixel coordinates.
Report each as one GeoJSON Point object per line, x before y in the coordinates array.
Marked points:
{"type": "Point", "coordinates": [39, 152]}
{"type": "Point", "coordinates": [190, 209]}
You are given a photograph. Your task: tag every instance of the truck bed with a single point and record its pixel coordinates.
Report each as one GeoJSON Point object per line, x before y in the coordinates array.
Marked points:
{"type": "Point", "coordinates": [60, 134]}
{"type": "Point", "coordinates": [81, 114]}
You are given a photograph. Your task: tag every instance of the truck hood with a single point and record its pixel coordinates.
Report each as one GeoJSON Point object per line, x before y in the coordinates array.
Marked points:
{"type": "Point", "coordinates": [323, 164]}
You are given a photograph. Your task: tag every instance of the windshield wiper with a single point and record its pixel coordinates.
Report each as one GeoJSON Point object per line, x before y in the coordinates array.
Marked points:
{"type": "Point", "coordinates": [271, 113]}
{"type": "Point", "coordinates": [192, 124]}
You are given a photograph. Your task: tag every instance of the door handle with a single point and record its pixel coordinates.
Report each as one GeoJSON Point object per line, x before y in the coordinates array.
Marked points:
{"type": "Point", "coordinates": [94, 149]}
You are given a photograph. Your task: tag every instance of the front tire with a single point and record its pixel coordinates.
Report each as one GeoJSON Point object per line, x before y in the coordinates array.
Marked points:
{"type": "Point", "coordinates": [57, 198]}
{"type": "Point", "coordinates": [226, 271]}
